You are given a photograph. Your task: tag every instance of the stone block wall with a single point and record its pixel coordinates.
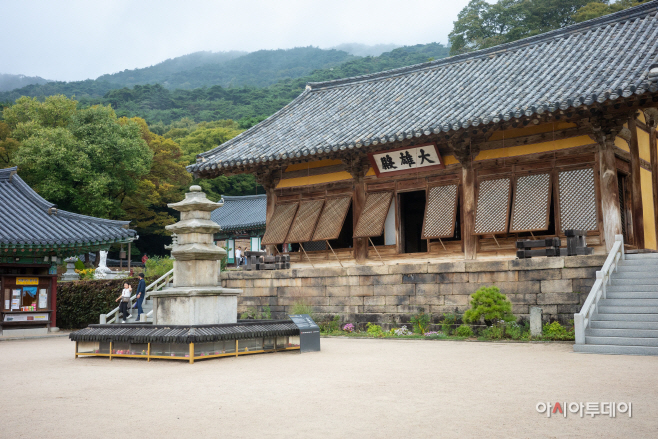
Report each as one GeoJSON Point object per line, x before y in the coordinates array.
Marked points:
{"type": "Point", "coordinates": [391, 294]}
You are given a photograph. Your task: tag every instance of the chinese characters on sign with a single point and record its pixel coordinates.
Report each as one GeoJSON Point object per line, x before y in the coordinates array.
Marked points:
{"type": "Point", "coordinates": [587, 409]}
{"type": "Point", "coordinates": [406, 160]}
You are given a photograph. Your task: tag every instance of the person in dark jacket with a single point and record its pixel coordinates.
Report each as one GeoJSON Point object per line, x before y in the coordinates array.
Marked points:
{"type": "Point", "coordinates": [141, 294]}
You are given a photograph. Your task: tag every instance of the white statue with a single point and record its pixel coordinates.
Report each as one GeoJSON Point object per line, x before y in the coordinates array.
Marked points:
{"type": "Point", "coordinates": [102, 271]}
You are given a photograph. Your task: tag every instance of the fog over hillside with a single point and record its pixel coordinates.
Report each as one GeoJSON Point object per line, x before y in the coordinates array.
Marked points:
{"type": "Point", "coordinates": [358, 49]}
{"type": "Point", "coordinates": [11, 82]}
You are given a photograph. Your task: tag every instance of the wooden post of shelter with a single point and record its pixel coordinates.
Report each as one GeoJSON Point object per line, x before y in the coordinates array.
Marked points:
{"type": "Point", "coordinates": [630, 136]}
{"type": "Point", "coordinates": [269, 179]}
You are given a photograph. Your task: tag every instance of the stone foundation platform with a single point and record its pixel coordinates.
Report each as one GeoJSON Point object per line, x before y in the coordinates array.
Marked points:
{"type": "Point", "coordinates": [391, 294]}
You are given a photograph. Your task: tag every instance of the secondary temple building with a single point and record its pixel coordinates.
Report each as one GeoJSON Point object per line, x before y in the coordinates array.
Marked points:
{"type": "Point", "coordinates": [34, 236]}
{"type": "Point", "coordinates": [457, 159]}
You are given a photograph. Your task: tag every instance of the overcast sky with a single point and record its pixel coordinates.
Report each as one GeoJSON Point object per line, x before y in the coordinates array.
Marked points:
{"type": "Point", "coordinates": [74, 39]}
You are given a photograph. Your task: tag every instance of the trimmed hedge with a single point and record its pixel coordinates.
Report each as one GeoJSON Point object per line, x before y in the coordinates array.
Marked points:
{"type": "Point", "coordinates": [80, 303]}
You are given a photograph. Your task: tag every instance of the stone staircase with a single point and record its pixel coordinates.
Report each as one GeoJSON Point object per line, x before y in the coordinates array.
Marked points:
{"type": "Point", "coordinates": [147, 307]}
{"type": "Point", "coordinates": [626, 321]}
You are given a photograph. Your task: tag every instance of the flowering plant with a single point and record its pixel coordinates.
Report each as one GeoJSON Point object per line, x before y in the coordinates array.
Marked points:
{"type": "Point", "coordinates": [348, 328]}
{"type": "Point", "coordinates": [402, 331]}
{"type": "Point", "coordinates": [434, 334]}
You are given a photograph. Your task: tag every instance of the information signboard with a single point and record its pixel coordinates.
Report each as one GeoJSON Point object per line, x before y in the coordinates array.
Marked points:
{"type": "Point", "coordinates": [309, 333]}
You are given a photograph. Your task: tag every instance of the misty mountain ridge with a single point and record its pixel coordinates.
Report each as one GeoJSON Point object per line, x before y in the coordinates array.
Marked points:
{"type": "Point", "coordinates": [358, 49]}
{"type": "Point", "coordinates": [11, 82]}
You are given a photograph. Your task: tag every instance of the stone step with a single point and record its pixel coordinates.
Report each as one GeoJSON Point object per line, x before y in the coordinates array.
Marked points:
{"type": "Point", "coordinates": [639, 280]}
{"type": "Point", "coordinates": [649, 273]}
{"type": "Point", "coordinates": [636, 256]}
{"type": "Point", "coordinates": [615, 350]}
{"type": "Point", "coordinates": [629, 302]}
{"type": "Point", "coordinates": [622, 341]}
{"type": "Point", "coordinates": [638, 262]}
{"type": "Point", "coordinates": [632, 288]}
{"type": "Point", "coordinates": [622, 333]}
{"type": "Point", "coordinates": [623, 317]}
{"type": "Point", "coordinates": [632, 295]}
{"type": "Point", "coordinates": [628, 309]}
{"type": "Point", "coordinates": [622, 324]}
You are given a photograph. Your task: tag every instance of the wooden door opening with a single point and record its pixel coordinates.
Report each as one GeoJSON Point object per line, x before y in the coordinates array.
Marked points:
{"type": "Point", "coordinates": [412, 211]}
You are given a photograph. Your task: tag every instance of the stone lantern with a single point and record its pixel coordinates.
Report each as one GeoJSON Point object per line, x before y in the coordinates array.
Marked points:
{"type": "Point", "coordinates": [196, 297]}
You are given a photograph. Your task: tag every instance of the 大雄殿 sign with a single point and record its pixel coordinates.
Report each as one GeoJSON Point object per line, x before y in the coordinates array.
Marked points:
{"type": "Point", "coordinates": [406, 160]}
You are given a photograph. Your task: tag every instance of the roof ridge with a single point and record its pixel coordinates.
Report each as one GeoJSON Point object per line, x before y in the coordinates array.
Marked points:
{"type": "Point", "coordinates": [620, 16]}
{"type": "Point", "coordinates": [44, 204]}
{"type": "Point", "coordinates": [243, 197]}
{"type": "Point", "coordinates": [5, 173]}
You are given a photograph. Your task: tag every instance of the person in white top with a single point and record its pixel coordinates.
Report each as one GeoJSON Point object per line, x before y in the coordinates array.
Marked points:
{"type": "Point", "coordinates": [238, 256]}
{"type": "Point", "coordinates": [125, 300]}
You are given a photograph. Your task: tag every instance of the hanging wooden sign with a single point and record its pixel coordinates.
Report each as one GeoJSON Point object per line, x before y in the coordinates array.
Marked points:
{"type": "Point", "coordinates": [406, 160]}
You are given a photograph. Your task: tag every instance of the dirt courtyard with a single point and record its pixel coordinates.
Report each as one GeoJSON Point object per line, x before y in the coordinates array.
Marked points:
{"type": "Point", "coordinates": [352, 389]}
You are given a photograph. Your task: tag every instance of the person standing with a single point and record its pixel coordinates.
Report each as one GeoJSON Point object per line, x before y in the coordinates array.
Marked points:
{"type": "Point", "coordinates": [238, 256]}
{"type": "Point", "coordinates": [125, 300]}
{"type": "Point", "coordinates": [141, 294]}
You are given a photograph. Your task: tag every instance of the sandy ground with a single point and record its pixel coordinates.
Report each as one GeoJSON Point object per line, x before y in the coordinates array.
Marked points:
{"type": "Point", "coordinates": [352, 389]}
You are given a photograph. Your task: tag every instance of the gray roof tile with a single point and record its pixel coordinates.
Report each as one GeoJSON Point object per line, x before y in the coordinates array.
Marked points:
{"type": "Point", "coordinates": [24, 219]}
{"type": "Point", "coordinates": [241, 213]}
{"type": "Point", "coordinates": [595, 61]}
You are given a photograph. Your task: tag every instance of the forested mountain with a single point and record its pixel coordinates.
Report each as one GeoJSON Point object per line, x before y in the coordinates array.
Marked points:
{"type": "Point", "coordinates": [156, 103]}
{"type": "Point", "coordinates": [201, 69]}
{"type": "Point", "coordinates": [161, 71]}
{"type": "Point", "coordinates": [10, 82]}
{"type": "Point", "coordinates": [365, 49]}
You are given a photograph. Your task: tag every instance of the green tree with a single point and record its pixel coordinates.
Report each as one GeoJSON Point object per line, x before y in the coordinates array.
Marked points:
{"type": "Point", "coordinates": [82, 160]}
{"type": "Point", "coordinates": [165, 183]}
{"type": "Point", "coordinates": [8, 146]}
{"type": "Point", "coordinates": [481, 24]}
{"type": "Point", "coordinates": [207, 136]}
{"type": "Point", "coordinates": [599, 9]}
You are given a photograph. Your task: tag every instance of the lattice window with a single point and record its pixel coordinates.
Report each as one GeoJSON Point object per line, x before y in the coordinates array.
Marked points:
{"type": "Point", "coordinates": [532, 201]}
{"type": "Point", "coordinates": [277, 229]}
{"type": "Point", "coordinates": [332, 218]}
{"type": "Point", "coordinates": [492, 210]}
{"type": "Point", "coordinates": [305, 221]}
{"type": "Point", "coordinates": [577, 200]}
{"type": "Point", "coordinates": [440, 212]}
{"type": "Point", "coordinates": [372, 219]}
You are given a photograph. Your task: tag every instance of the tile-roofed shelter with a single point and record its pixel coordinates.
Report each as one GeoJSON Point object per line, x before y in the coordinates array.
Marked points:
{"type": "Point", "coordinates": [461, 157]}
{"type": "Point", "coordinates": [244, 213]}
{"type": "Point", "coordinates": [31, 223]}
{"type": "Point", "coordinates": [242, 220]}
{"type": "Point", "coordinates": [34, 235]}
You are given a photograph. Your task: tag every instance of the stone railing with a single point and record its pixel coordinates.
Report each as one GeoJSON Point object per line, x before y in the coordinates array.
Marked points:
{"type": "Point", "coordinates": [581, 319]}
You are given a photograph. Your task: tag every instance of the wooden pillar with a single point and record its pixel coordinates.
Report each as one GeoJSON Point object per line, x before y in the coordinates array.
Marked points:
{"type": "Point", "coordinates": [470, 241]}
{"type": "Point", "coordinates": [358, 203]}
{"type": "Point", "coordinates": [269, 178]}
{"type": "Point", "coordinates": [636, 185]}
{"type": "Point", "coordinates": [609, 187]}
{"type": "Point", "coordinates": [358, 165]}
{"type": "Point", "coordinates": [271, 202]}
{"type": "Point", "coordinates": [651, 117]}
{"type": "Point", "coordinates": [53, 302]}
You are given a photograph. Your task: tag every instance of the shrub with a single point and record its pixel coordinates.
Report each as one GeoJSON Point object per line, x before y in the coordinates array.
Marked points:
{"type": "Point", "coordinates": [79, 265]}
{"type": "Point", "coordinates": [375, 330]}
{"type": "Point", "coordinates": [87, 273]}
{"type": "Point", "coordinates": [464, 331]}
{"type": "Point", "coordinates": [80, 303]}
{"type": "Point", "coordinates": [348, 328]}
{"type": "Point", "coordinates": [489, 303]}
{"type": "Point", "coordinates": [421, 322]}
{"type": "Point", "coordinates": [302, 307]}
{"type": "Point", "coordinates": [400, 332]}
{"type": "Point", "coordinates": [449, 321]}
{"type": "Point", "coordinates": [253, 313]}
{"type": "Point", "coordinates": [334, 324]}
{"type": "Point", "coordinates": [555, 331]}
{"type": "Point", "coordinates": [157, 266]}
{"type": "Point", "coordinates": [494, 332]}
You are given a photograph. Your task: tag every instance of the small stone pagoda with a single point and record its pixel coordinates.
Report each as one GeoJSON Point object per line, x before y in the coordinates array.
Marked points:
{"type": "Point", "coordinates": [196, 297]}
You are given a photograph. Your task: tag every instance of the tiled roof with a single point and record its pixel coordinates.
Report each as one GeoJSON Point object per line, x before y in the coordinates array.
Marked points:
{"type": "Point", "coordinates": [25, 220]}
{"type": "Point", "coordinates": [598, 60]}
{"type": "Point", "coordinates": [185, 334]}
{"type": "Point", "coordinates": [241, 213]}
